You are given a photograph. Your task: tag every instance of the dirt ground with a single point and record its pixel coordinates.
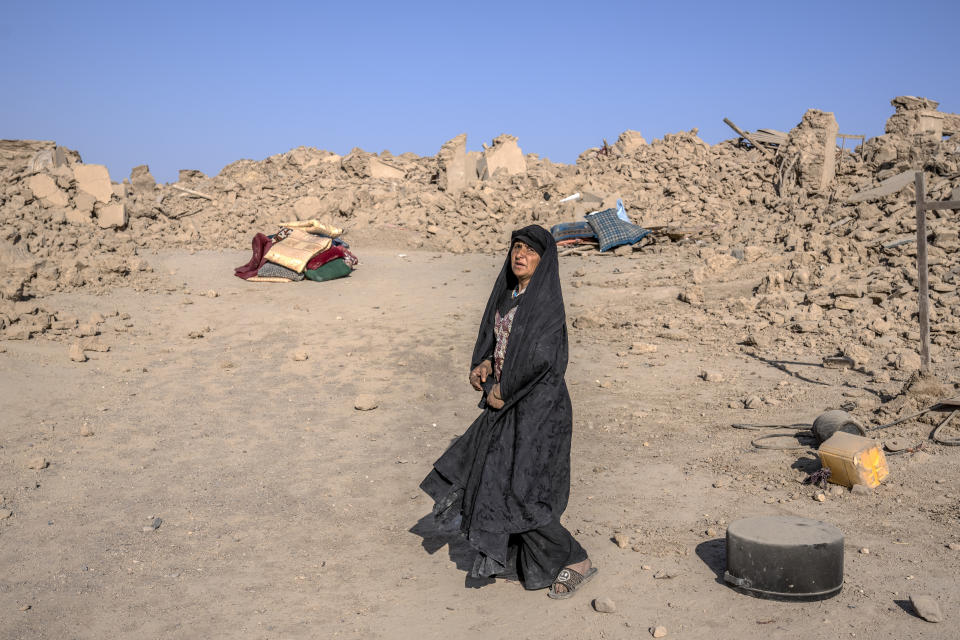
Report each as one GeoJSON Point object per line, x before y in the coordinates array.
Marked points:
{"type": "Point", "coordinates": [287, 513]}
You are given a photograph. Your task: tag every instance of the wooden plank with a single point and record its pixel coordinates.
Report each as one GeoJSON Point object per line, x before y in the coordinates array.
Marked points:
{"type": "Point", "coordinates": [745, 135]}
{"type": "Point", "coordinates": [941, 204]}
{"type": "Point", "coordinates": [923, 293]}
{"type": "Point", "coordinates": [888, 187]}
{"type": "Point", "coordinates": [192, 192]}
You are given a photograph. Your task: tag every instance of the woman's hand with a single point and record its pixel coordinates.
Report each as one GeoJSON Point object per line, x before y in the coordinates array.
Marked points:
{"type": "Point", "coordinates": [480, 373]}
{"type": "Point", "coordinates": [494, 399]}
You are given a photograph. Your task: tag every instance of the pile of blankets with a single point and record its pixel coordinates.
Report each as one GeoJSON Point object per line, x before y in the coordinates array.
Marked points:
{"type": "Point", "coordinates": [605, 230]}
{"type": "Point", "coordinates": [305, 249]}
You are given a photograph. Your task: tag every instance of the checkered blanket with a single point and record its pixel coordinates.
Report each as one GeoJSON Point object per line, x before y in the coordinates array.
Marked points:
{"type": "Point", "coordinates": [612, 231]}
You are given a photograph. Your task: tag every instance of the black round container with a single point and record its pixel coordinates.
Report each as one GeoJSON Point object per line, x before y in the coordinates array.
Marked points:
{"type": "Point", "coordinates": [830, 422]}
{"type": "Point", "coordinates": [785, 558]}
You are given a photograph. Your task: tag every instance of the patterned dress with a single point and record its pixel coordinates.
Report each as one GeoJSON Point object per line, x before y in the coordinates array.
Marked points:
{"type": "Point", "coordinates": [501, 328]}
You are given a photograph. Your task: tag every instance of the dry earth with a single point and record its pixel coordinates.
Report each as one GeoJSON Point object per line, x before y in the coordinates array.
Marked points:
{"type": "Point", "coordinates": [287, 513]}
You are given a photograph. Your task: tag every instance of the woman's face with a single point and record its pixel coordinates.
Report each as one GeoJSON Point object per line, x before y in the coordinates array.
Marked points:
{"type": "Point", "coordinates": [523, 260]}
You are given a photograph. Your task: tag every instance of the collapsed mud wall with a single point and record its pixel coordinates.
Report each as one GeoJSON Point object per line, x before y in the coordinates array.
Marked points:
{"type": "Point", "coordinates": [822, 227]}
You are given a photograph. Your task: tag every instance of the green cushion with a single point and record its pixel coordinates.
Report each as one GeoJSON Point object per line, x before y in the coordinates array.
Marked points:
{"type": "Point", "coordinates": [330, 271]}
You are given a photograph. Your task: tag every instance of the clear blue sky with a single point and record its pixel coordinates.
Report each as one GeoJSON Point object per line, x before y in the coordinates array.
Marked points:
{"type": "Point", "coordinates": [198, 85]}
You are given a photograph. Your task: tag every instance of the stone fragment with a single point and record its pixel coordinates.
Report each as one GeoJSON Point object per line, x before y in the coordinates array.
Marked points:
{"type": "Point", "coordinates": [710, 375]}
{"type": "Point", "coordinates": [752, 402]}
{"type": "Point", "coordinates": [141, 179]}
{"type": "Point", "coordinates": [76, 353]}
{"type": "Point", "coordinates": [926, 607]}
{"type": "Point", "coordinates": [77, 216]}
{"type": "Point", "coordinates": [45, 188]}
{"type": "Point", "coordinates": [85, 430]}
{"type": "Point", "coordinates": [814, 141]}
{"type": "Point", "coordinates": [5, 513]}
{"type": "Point", "coordinates": [642, 347]}
{"type": "Point", "coordinates": [380, 170]}
{"type": "Point", "coordinates": [628, 143]}
{"type": "Point", "coordinates": [953, 546]}
{"type": "Point", "coordinates": [112, 215]}
{"type": "Point", "coordinates": [691, 295]}
{"type": "Point", "coordinates": [622, 540]}
{"type": "Point", "coordinates": [604, 605]}
{"type": "Point", "coordinates": [457, 169]}
{"type": "Point", "coordinates": [659, 631]}
{"type": "Point", "coordinates": [154, 524]}
{"type": "Point", "coordinates": [38, 463]}
{"type": "Point", "coordinates": [905, 360]}
{"type": "Point", "coordinates": [589, 320]}
{"type": "Point", "coordinates": [365, 402]}
{"type": "Point", "coordinates": [299, 356]}
{"type": "Point", "coordinates": [93, 179]}
{"type": "Point", "coordinates": [504, 155]}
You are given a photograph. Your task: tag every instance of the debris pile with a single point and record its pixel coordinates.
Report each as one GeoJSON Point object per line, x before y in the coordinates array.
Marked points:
{"type": "Point", "coordinates": [827, 234]}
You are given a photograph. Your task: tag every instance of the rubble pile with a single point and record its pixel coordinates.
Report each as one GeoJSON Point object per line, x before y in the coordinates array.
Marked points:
{"type": "Point", "coordinates": [827, 234]}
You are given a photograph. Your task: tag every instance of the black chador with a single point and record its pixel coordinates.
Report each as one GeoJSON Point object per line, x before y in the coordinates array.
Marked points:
{"type": "Point", "coordinates": [505, 482]}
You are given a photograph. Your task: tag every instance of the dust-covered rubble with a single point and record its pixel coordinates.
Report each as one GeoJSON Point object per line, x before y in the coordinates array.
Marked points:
{"type": "Point", "coordinates": [823, 237]}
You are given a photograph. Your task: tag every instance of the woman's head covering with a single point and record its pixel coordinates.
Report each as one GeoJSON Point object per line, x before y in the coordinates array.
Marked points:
{"type": "Point", "coordinates": [530, 238]}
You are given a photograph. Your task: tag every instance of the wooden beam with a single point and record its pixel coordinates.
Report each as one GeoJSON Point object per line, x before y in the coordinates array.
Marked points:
{"type": "Point", "coordinates": [744, 134]}
{"type": "Point", "coordinates": [192, 192]}
{"type": "Point", "coordinates": [941, 204]}
{"type": "Point", "coordinates": [923, 292]}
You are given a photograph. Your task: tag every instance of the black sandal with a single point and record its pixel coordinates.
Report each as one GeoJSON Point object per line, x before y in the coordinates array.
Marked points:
{"type": "Point", "coordinates": [572, 580]}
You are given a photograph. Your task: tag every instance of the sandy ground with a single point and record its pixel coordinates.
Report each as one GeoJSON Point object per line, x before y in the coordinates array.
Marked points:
{"type": "Point", "coordinates": [286, 513]}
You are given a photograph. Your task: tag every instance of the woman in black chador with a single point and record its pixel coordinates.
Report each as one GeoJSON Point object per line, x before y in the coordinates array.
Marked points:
{"type": "Point", "coordinates": [505, 482]}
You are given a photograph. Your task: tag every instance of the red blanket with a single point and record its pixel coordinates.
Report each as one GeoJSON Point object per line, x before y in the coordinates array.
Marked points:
{"type": "Point", "coordinates": [261, 244]}
{"type": "Point", "coordinates": [332, 253]}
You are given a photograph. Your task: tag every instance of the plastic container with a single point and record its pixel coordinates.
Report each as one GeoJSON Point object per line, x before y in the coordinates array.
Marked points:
{"type": "Point", "coordinates": [853, 460]}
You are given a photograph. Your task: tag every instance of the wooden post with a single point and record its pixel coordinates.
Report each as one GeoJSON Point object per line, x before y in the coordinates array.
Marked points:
{"type": "Point", "coordinates": [923, 294]}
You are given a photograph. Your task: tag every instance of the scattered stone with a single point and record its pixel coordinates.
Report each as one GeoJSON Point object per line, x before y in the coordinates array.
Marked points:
{"type": "Point", "coordinates": [820, 496]}
{"type": "Point", "coordinates": [953, 546]}
{"type": "Point", "coordinates": [666, 574]}
{"type": "Point", "coordinates": [365, 402]}
{"type": "Point", "coordinates": [692, 295]}
{"type": "Point", "coordinates": [622, 540]}
{"type": "Point", "coordinates": [76, 353]}
{"type": "Point", "coordinates": [865, 551]}
{"type": "Point", "coordinates": [24, 607]}
{"type": "Point", "coordinates": [112, 215]}
{"type": "Point", "coordinates": [927, 608]}
{"type": "Point", "coordinates": [300, 356]}
{"type": "Point", "coordinates": [752, 402]}
{"type": "Point", "coordinates": [38, 463]}
{"type": "Point", "coordinates": [5, 513]}
{"type": "Point", "coordinates": [659, 631]}
{"type": "Point", "coordinates": [94, 179]}
{"type": "Point", "coordinates": [85, 430]}
{"type": "Point", "coordinates": [642, 347]}
{"type": "Point", "coordinates": [604, 605]}
{"type": "Point", "coordinates": [711, 376]}
{"type": "Point", "coordinates": [154, 525]}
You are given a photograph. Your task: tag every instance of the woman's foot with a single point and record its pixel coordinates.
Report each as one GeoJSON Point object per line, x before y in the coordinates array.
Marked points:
{"type": "Point", "coordinates": [580, 567]}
